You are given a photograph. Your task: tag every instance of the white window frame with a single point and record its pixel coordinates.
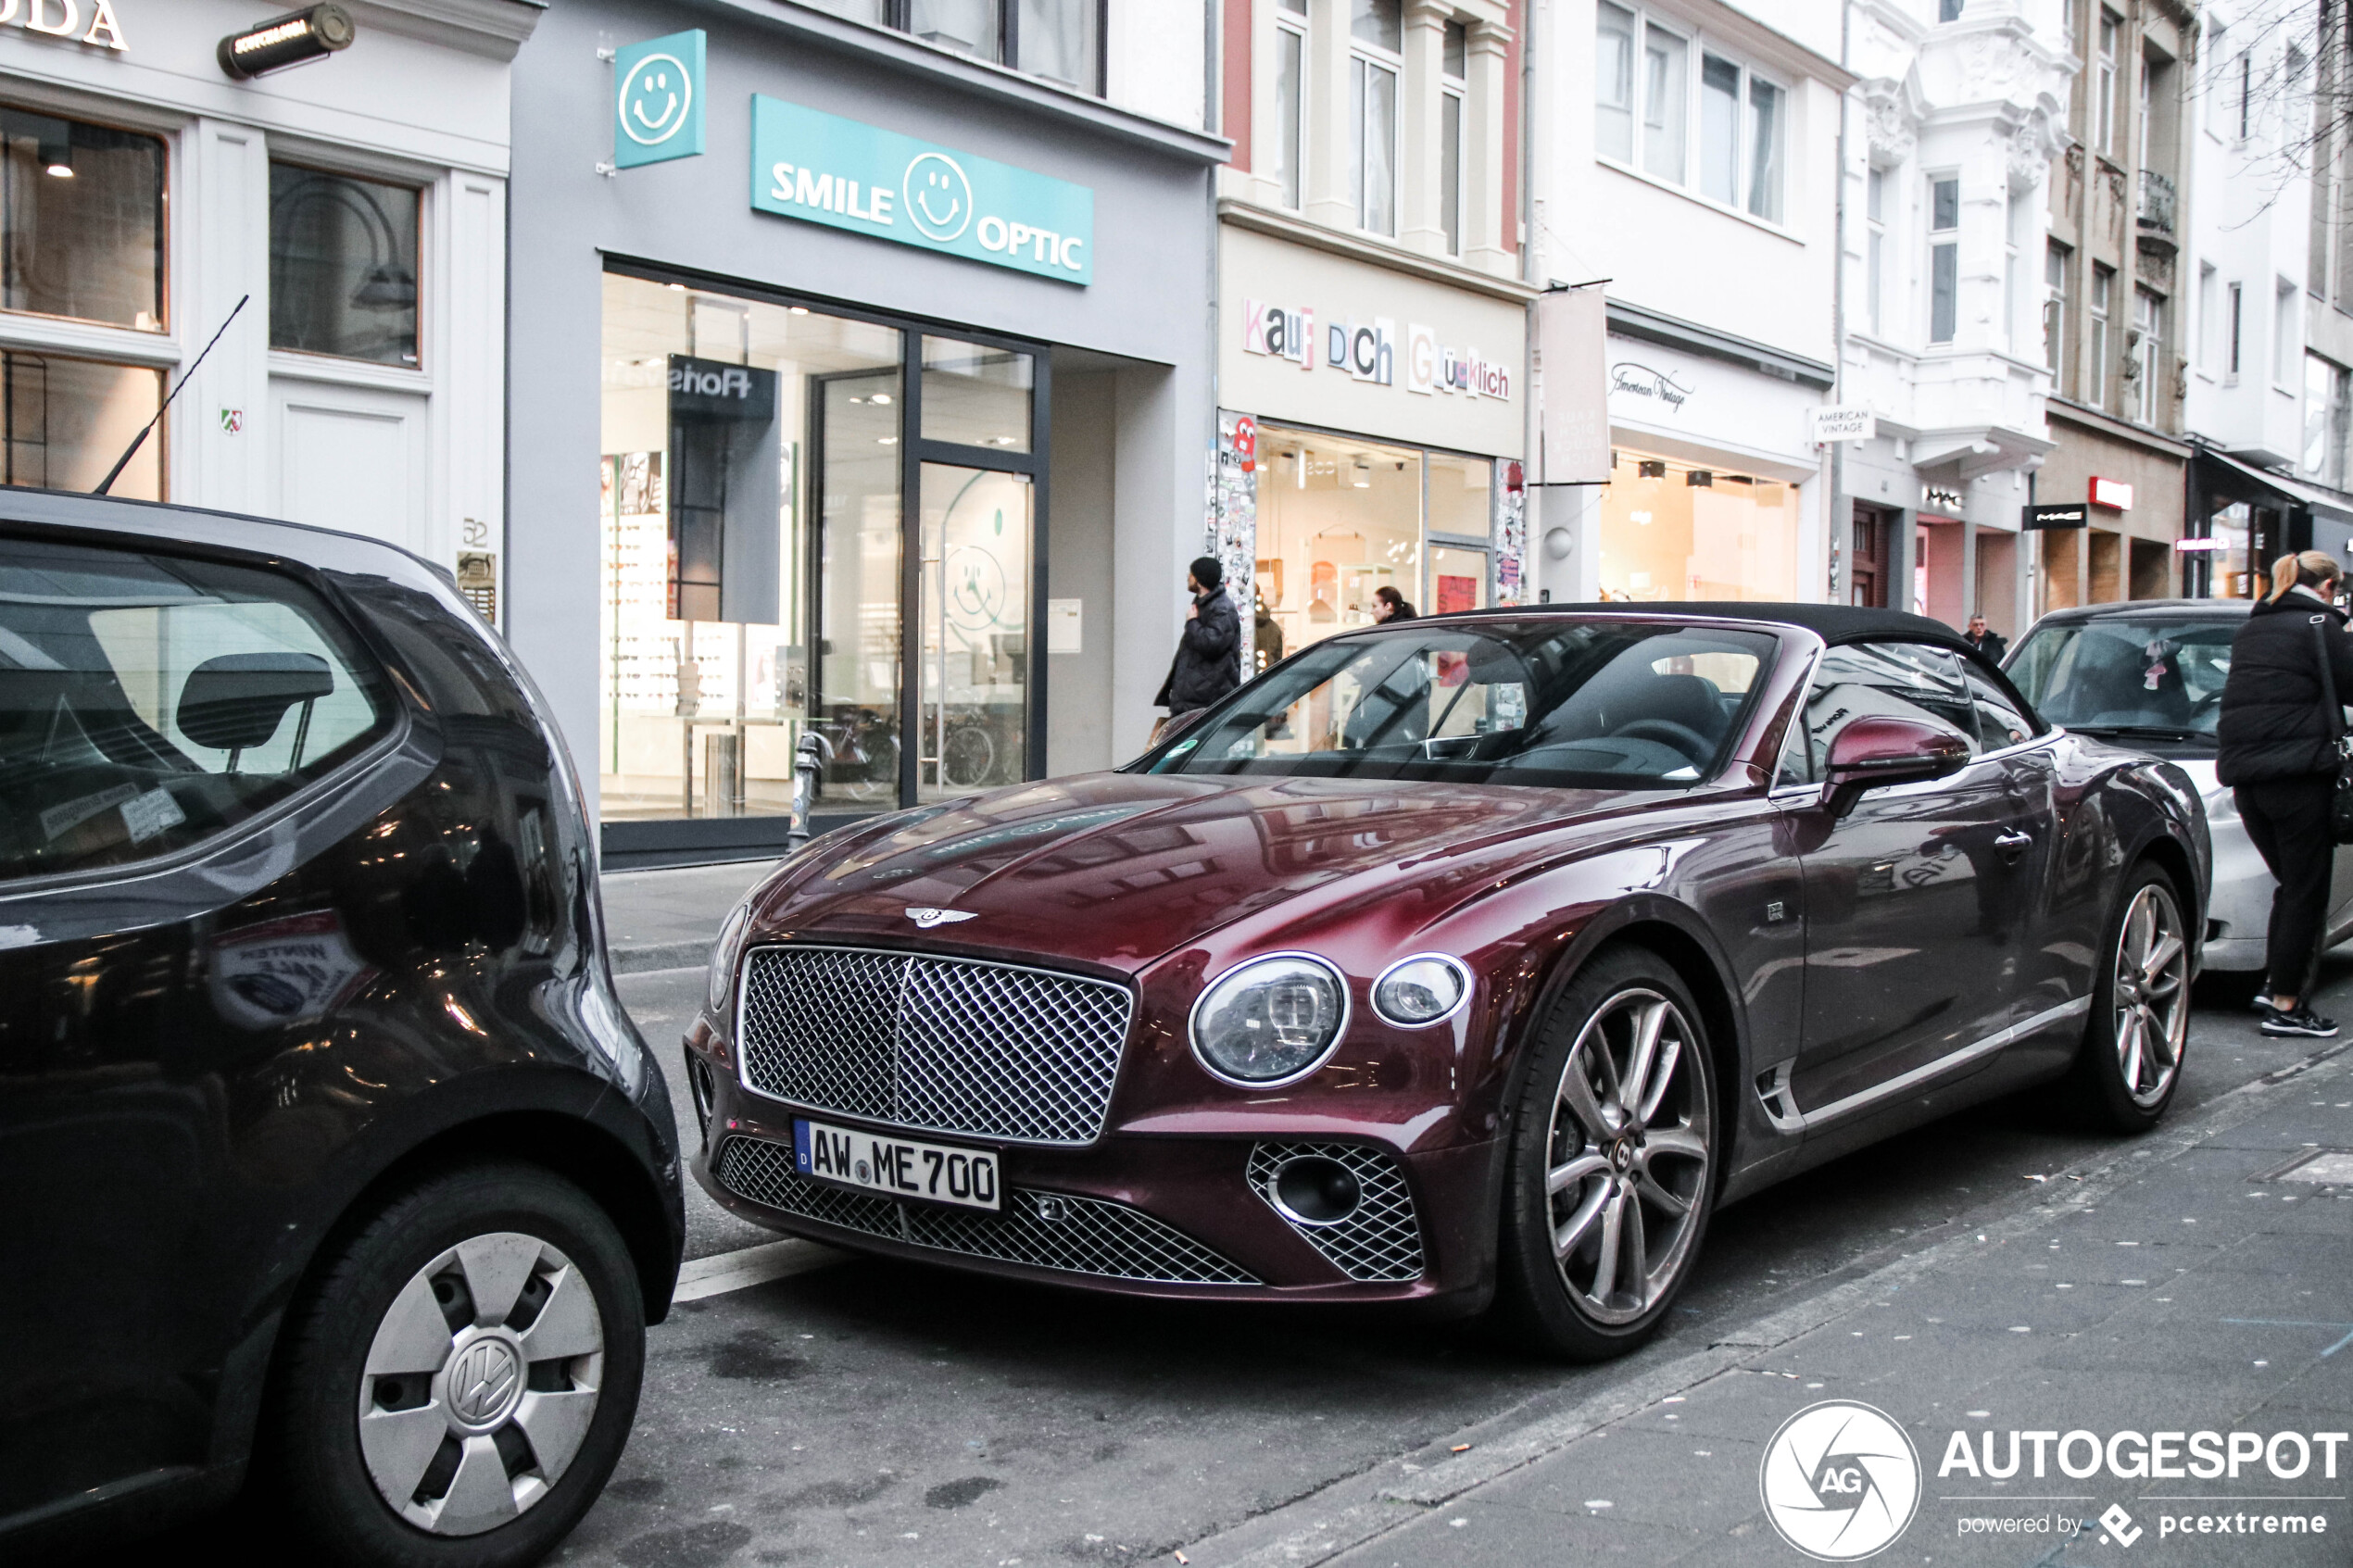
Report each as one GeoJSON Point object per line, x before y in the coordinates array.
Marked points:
{"type": "Point", "coordinates": [2236, 338]}
{"type": "Point", "coordinates": [1697, 47]}
{"type": "Point", "coordinates": [1939, 240]}
{"type": "Point", "coordinates": [2102, 300]}
{"type": "Point", "coordinates": [1875, 184]}
{"type": "Point", "coordinates": [2057, 257]}
{"type": "Point", "coordinates": [1454, 98]}
{"type": "Point", "coordinates": [2148, 320]}
{"type": "Point", "coordinates": [1370, 57]}
{"type": "Point", "coordinates": [2111, 28]}
{"type": "Point", "coordinates": [1292, 139]}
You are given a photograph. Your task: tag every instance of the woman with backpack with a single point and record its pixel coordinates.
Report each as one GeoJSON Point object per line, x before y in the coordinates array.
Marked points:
{"type": "Point", "coordinates": [2277, 749]}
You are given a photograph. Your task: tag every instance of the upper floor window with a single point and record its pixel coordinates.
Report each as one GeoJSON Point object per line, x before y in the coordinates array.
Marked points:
{"type": "Point", "coordinates": [2148, 354]}
{"type": "Point", "coordinates": [343, 266]}
{"type": "Point", "coordinates": [81, 227]}
{"type": "Point", "coordinates": [2104, 98]}
{"type": "Point", "coordinates": [1290, 100]}
{"type": "Point", "coordinates": [2096, 378]}
{"type": "Point", "coordinates": [1948, 10]}
{"type": "Point", "coordinates": [1944, 258]}
{"type": "Point", "coordinates": [1875, 244]}
{"type": "Point", "coordinates": [1649, 113]}
{"type": "Point", "coordinates": [2326, 390]}
{"type": "Point", "coordinates": [1376, 35]}
{"type": "Point", "coordinates": [1060, 40]}
{"type": "Point", "coordinates": [1454, 90]}
{"type": "Point", "coordinates": [2055, 260]}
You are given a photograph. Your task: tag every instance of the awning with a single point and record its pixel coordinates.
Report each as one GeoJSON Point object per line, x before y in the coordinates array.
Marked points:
{"type": "Point", "coordinates": [2296, 492]}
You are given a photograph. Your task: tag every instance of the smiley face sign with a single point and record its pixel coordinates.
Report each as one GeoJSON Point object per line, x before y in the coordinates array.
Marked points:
{"type": "Point", "coordinates": [658, 106]}
{"type": "Point", "coordinates": [939, 197]}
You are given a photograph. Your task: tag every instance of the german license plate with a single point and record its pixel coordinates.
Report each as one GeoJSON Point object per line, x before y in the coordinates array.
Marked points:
{"type": "Point", "coordinates": [899, 1167]}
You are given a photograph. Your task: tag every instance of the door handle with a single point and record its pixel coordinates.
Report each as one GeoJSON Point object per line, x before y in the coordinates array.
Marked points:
{"type": "Point", "coordinates": [2011, 842]}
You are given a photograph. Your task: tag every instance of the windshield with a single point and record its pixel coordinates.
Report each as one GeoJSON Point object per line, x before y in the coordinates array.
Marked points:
{"type": "Point", "coordinates": [2152, 677]}
{"type": "Point", "coordinates": [1590, 704]}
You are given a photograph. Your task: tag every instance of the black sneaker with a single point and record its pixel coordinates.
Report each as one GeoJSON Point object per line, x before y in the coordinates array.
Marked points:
{"type": "Point", "coordinates": [2302, 1020]}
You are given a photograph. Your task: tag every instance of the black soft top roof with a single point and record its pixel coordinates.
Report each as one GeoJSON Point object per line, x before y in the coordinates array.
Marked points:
{"type": "Point", "coordinates": [1833, 623]}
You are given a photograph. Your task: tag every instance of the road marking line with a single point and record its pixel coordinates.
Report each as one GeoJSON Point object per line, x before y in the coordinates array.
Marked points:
{"type": "Point", "coordinates": [752, 1265]}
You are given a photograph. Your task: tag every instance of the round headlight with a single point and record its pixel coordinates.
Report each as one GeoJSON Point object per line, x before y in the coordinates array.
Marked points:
{"type": "Point", "coordinates": [1421, 990]}
{"type": "Point", "coordinates": [1271, 1021]}
{"type": "Point", "coordinates": [721, 989]}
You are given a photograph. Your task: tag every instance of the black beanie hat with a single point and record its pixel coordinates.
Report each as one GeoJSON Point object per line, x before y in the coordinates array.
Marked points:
{"type": "Point", "coordinates": [1208, 574]}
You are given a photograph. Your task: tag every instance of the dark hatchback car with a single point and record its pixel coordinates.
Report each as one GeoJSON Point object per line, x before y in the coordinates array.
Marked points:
{"type": "Point", "coordinates": [1473, 960]}
{"type": "Point", "coordinates": [332, 1167]}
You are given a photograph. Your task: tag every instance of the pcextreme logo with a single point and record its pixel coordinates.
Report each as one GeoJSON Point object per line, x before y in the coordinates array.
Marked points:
{"type": "Point", "coordinates": [1839, 1481]}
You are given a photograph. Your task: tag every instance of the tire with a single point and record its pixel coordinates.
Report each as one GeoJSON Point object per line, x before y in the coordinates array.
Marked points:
{"type": "Point", "coordinates": [409, 1307]}
{"type": "Point", "coordinates": [2130, 1062]}
{"type": "Point", "coordinates": [1635, 1165]}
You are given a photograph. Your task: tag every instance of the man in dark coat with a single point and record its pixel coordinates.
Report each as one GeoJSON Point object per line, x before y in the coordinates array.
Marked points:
{"type": "Point", "coordinates": [1986, 639]}
{"type": "Point", "coordinates": [1205, 666]}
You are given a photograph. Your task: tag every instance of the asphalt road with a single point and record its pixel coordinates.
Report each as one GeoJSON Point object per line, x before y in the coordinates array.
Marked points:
{"type": "Point", "coordinates": [867, 1411]}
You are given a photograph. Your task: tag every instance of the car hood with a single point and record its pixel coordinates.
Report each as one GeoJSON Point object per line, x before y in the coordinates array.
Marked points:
{"type": "Point", "coordinates": [1117, 869]}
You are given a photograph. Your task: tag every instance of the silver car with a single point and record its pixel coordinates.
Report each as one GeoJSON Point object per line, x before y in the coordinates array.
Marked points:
{"type": "Point", "coordinates": [2148, 674]}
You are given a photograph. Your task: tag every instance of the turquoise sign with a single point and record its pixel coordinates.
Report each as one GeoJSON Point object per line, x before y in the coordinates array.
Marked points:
{"type": "Point", "coordinates": [822, 168]}
{"type": "Point", "coordinates": [657, 112]}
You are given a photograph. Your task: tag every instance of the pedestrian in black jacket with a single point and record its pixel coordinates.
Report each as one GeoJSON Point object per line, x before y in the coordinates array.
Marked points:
{"type": "Point", "coordinates": [1205, 668]}
{"type": "Point", "coordinates": [1987, 641]}
{"type": "Point", "coordinates": [2277, 749]}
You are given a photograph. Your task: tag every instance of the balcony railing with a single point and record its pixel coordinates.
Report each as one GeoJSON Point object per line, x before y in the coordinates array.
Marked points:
{"type": "Point", "coordinates": [2155, 209]}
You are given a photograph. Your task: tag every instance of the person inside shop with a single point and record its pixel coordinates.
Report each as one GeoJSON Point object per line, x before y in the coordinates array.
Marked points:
{"type": "Point", "coordinates": [1986, 639]}
{"type": "Point", "coordinates": [1389, 605]}
{"type": "Point", "coordinates": [2276, 748]}
{"type": "Point", "coordinates": [1205, 666]}
{"type": "Point", "coordinates": [1265, 636]}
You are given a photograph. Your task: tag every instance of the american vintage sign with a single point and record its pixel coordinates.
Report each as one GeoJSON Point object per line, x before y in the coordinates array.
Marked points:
{"type": "Point", "coordinates": [1367, 351]}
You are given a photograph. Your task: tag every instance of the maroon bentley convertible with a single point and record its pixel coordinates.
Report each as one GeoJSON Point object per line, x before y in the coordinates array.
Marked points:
{"type": "Point", "coordinates": [1469, 962]}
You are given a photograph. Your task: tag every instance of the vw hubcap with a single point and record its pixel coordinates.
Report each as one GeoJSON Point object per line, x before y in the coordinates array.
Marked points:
{"type": "Point", "coordinates": [2151, 995]}
{"type": "Point", "coordinates": [1626, 1164]}
{"type": "Point", "coordinates": [481, 1383]}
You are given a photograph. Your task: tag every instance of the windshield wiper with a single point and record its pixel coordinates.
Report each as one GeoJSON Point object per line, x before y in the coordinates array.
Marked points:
{"type": "Point", "coordinates": [2160, 731]}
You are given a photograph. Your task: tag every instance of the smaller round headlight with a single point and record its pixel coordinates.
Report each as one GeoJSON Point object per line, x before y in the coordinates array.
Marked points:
{"type": "Point", "coordinates": [1422, 990]}
{"type": "Point", "coordinates": [1271, 1021]}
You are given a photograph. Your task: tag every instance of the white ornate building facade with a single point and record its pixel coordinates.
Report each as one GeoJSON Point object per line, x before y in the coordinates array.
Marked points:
{"type": "Point", "coordinates": [1955, 127]}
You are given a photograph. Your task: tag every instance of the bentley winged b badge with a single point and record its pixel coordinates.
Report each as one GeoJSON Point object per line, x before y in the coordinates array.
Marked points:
{"type": "Point", "coordinates": [926, 918]}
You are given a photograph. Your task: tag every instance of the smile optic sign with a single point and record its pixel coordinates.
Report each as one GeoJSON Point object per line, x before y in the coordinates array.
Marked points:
{"type": "Point", "coordinates": [822, 168]}
{"type": "Point", "coordinates": [657, 112]}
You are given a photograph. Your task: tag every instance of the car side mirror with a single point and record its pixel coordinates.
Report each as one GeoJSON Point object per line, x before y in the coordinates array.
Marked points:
{"type": "Point", "coordinates": [1883, 751]}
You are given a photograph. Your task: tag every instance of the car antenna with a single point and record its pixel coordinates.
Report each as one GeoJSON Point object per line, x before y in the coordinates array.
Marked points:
{"type": "Point", "coordinates": [140, 439]}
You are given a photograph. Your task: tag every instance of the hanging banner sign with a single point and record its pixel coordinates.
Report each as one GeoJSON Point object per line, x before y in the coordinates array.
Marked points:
{"type": "Point", "coordinates": [822, 168]}
{"type": "Point", "coordinates": [1572, 344]}
{"type": "Point", "coordinates": [658, 112]}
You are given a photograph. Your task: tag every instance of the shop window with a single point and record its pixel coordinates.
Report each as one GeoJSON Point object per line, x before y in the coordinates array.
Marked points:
{"type": "Point", "coordinates": [1613, 82]}
{"type": "Point", "coordinates": [750, 515]}
{"type": "Point", "coordinates": [69, 420]}
{"type": "Point", "coordinates": [1290, 100]}
{"type": "Point", "coordinates": [343, 266]}
{"type": "Point", "coordinates": [974, 615]}
{"type": "Point", "coordinates": [975, 395]}
{"type": "Point", "coordinates": [1453, 91]}
{"type": "Point", "coordinates": [1377, 31]}
{"type": "Point", "coordinates": [2095, 380]}
{"type": "Point", "coordinates": [2325, 403]}
{"type": "Point", "coordinates": [1671, 532]}
{"type": "Point", "coordinates": [1339, 520]}
{"type": "Point", "coordinates": [82, 220]}
{"type": "Point", "coordinates": [1944, 258]}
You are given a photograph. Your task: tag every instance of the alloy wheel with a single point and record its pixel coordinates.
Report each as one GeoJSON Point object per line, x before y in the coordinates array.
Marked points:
{"type": "Point", "coordinates": [481, 1383]}
{"type": "Point", "coordinates": [1627, 1166]}
{"type": "Point", "coordinates": [2150, 995]}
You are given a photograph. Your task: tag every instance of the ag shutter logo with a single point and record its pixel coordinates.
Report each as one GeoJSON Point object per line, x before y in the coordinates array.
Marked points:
{"type": "Point", "coordinates": [658, 108]}
{"type": "Point", "coordinates": [1841, 1481]}
{"type": "Point", "coordinates": [939, 197]}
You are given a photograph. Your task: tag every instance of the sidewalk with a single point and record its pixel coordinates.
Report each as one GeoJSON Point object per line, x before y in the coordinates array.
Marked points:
{"type": "Point", "coordinates": [2183, 1281]}
{"type": "Point", "coordinates": [668, 919]}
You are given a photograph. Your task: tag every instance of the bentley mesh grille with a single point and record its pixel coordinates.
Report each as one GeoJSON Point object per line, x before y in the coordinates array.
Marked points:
{"type": "Point", "coordinates": [1090, 1235]}
{"type": "Point", "coordinates": [1380, 1240]}
{"type": "Point", "coordinates": [933, 1043]}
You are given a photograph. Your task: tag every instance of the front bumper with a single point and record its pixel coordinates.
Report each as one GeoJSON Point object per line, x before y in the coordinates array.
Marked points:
{"type": "Point", "coordinates": [2239, 909]}
{"type": "Point", "coordinates": [1164, 1216]}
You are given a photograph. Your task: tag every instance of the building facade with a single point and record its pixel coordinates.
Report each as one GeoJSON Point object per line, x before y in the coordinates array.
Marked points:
{"type": "Point", "coordinates": [1951, 136]}
{"type": "Point", "coordinates": [868, 399]}
{"type": "Point", "coordinates": [1372, 385]}
{"type": "Point", "coordinates": [2116, 300]}
{"type": "Point", "coordinates": [1686, 153]}
{"type": "Point", "coordinates": [339, 226]}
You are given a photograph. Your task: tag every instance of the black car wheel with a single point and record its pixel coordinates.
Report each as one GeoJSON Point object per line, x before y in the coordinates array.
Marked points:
{"type": "Point", "coordinates": [2131, 1061]}
{"type": "Point", "coordinates": [1612, 1162]}
{"type": "Point", "coordinates": [459, 1384]}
